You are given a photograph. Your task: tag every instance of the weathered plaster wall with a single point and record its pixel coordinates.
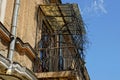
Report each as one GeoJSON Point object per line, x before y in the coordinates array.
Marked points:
{"type": "Point", "coordinates": [26, 28]}
{"type": "Point", "coordinates": [3, 48]}
{"type": "Point", "coordinates": [27, 19]}
{"type": "Point", "coordinates": [23, 59]}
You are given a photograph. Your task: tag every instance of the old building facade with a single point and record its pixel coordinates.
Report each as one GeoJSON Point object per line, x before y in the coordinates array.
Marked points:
{"type": "Point", "coordinates": [48, 34]}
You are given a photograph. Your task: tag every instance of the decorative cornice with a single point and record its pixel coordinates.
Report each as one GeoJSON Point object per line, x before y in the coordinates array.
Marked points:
{"type": "Point", "coordinates": [20, 45]}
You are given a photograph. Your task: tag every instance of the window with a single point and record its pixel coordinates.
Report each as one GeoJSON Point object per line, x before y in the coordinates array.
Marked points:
{"type": "Point", "coordinates": [2, 9]}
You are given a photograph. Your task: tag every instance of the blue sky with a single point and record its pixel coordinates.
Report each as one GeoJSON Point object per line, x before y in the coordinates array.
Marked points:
{"type": "Point", "coordinates": [102, 19]}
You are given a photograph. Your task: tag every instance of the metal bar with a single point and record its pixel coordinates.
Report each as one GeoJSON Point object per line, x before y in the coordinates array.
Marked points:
{"type": "Point", "coordinates": [40, 49]}
{"type": "Point", "coordinates": [13, 32]}
{"type": "Point", "coordinates": [13, 36]}
{"type": "Point", "coordinates": [57, 16]}
{"type": "Point", "coordinates": [45, 18]}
